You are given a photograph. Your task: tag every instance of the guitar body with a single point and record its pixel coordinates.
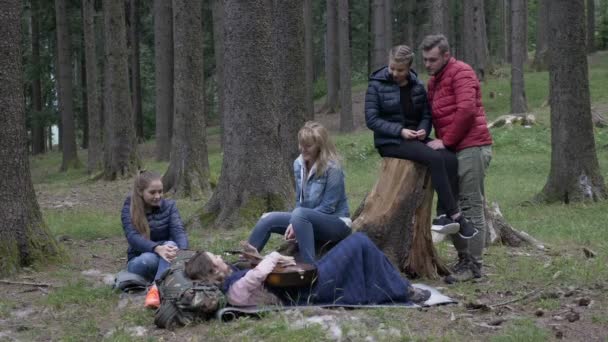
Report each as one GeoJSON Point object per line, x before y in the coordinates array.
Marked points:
{"type": "Point", "coordinates": [299, 275]}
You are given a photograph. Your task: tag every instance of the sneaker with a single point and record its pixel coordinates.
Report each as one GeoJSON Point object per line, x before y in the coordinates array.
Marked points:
{"type": "Point", "coordinates": [467, 230]}
{"type": "Point", "coordinates": [152, 298]}
{"type": "Point", "coordinates": [464, 270]}
{"type": "Point", "coordinates": [445, 225]}
{"type": "Point", "coordinates": [418, 296]}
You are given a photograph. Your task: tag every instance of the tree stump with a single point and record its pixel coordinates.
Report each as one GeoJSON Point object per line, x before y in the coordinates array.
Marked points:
{"type": "Point", "coordinates": [396, 215]}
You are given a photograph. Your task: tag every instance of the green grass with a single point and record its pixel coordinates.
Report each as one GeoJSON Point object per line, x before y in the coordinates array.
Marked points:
{"type": "Point", "coordinates": [85, 224]}
{"type": "Point", "coordinates": [523, 330]}
{"type": "Point", "coordinates": [82, 294]}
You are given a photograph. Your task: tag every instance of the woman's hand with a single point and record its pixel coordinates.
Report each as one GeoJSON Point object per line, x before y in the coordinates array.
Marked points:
{"type": "Point", "coordinates": [290, 234]}
{"type": "Point", "coordinates": [283, 260]}
{"type": "Point", "coordinates": [408, 134]}
{"type": "Point", "coordinates": [421, 134]}
{"type": "Point", "coordinates": [167, 252]}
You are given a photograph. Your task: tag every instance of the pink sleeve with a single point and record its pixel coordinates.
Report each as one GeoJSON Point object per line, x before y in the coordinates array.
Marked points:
{"type": "Point", "coordinates": [240, 292]}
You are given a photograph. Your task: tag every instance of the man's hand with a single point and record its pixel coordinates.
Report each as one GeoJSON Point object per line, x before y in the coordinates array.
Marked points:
{"type": "Point", "coordinates": [436, 144]}
{"type": "Point", "coordinates": [290, 234]}
{"type": "Point", "coordinates": [421, 134]}
{"type": "Point", "coordinates": [408, 134]}
{"type": "Point", "coordinates": [167, 252]}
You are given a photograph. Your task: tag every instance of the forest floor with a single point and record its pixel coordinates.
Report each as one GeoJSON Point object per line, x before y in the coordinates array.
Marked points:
{"type": "Point", "coordinates": [525, 294]}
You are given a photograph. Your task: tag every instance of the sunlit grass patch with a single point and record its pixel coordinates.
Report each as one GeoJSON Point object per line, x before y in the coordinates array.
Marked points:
{"type": "Point", "coordinates": [522, 330]}
{"type": "Point", "coordinates": [82, 294]}
{"type": "Point", "coordinates": [84, 224]}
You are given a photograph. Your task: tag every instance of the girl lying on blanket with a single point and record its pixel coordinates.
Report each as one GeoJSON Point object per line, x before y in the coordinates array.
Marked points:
{"type": "Point", "coordinates": [354, 272]}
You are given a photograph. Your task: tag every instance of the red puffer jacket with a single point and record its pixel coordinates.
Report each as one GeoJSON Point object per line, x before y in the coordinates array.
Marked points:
{"type": "Point", "coordinates": [458, 115]}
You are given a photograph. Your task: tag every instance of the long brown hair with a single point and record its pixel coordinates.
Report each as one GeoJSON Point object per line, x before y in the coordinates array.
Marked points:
{"type": "Point", "coordinates": [313, 133]}
{"type": "Point", "coordinates": [138, 214]}
{"type": "Point", "coordinates": [200, 267]}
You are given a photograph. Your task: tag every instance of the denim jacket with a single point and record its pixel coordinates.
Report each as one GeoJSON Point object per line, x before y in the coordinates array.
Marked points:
{"type": "Point", "coordinates": [324, 193]}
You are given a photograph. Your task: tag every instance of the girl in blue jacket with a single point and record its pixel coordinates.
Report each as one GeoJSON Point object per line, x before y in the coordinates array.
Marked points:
{"type": "Point", "coordinates": [321, 211]}
{"type": "Point", "coordinates": [154, 231]}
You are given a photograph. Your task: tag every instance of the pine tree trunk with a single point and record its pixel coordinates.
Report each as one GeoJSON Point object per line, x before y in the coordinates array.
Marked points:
{"type": "Point", "coordinates": [254, 176]}
{"type": "Point", "coordinates": [378, 35]}
{"type": "Point", "coordinates": [163, 62]}
{"type": "Point", "coordinates": [309, 60]}
{"type": "Point", "coordinates": [38, 142]}
{"type": "Point", "coordinates": [411, 27]}
{"type": "Point", "coordinates": [402, 229]}
{"type": "Point", "coordinates": [288, 44]}
{"type": "Point", "coordinates": [575, 174]}
{"type": "Point", "coordinates": [188, 173]}
{"type": "Point", "coordinates": [24, 237]}
{"type": "Point", "coordinates": [542, 36]}
{"type": "Point", "coordinates": [332, 66]}
{"type": "Point", "coordinates": [388, 22]}
{"type": "Point", "coordinates": [84, 114]}
{"type": "Point", "coordinates": [134, 30]}
{"type": "Point", "coordinates": [346, 107]}
{"type": "Point", "coordinates": [66, 106]}
{"type": "Point", "coordinates": [122, 160]}
{"type": "Point", "coordinates": [218, 49]}
{"type": "Point", "coordinates": [519, 13]}
{"type": "Point", "coordinates": [475, 40]}
{"type": "Point", "coordinates": [439, 17]}
{"type": "Point", "coordinates": [591, 26]}
{"type": "Point", "coordinates": [93, 104]}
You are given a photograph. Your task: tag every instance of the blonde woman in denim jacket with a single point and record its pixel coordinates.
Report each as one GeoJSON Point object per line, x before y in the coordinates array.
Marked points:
{"type": "Point", "coordinates": [321, 211]}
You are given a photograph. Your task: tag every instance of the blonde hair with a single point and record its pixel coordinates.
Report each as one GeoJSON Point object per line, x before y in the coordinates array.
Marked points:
{"type": "Point", "coordinates": [401, 54]}
{"type": "Point", "coordinates": [313, 133]}
{"type": "Point", "coordinates": [138, 214]}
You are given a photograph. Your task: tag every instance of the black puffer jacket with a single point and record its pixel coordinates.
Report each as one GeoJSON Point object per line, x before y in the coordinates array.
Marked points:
{"type": "Point", "coordinates": [384, 112]}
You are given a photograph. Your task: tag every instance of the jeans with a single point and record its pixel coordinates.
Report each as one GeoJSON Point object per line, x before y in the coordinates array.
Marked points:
{"type": "Point", "coordinates": [308, 224]}
{"type": "Point", "coordinates": [472, 165]}
{"type": "Point", "coordinates": [149, 265]}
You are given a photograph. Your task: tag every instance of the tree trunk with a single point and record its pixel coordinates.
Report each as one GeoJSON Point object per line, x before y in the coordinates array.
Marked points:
{"type": "Point", "coordinates": [188, 173]}
{"type": "Point", "coordinates": [134, 29]}
{"type": "Point", "coordinates": [332, 66]}
{"type": "Point", "coordinates": [288, 44]}
{"type": "Point", "coordinates": [24, 237]}
{"type": "Point", "coordinates": [439, 17]}
{"type": "Point", "coordinates": [122, 160]}
{"type": "Point", "coordinates": [519, 13]}
{"type": "Point", "coordinates": [378, 35]}
{"type": "Point", "coordinates": [218, 49]}
{"type": "Point", "coordinates": [163, 62]}
{"type": "Point", "coordinates": [591, 26]}
{"type": "Point", "coordinates": [575, 174]}
{"type": "Point", "coordinates": [411, 27]}
{"type": "Point", "coordinates": [66, 106]}
{"type": "Point", "coordinates": [542, 36]}
{"type": "Point", "coordinates": [84, 114]}
{"type": "Point", "coordinates": [346, 107]}
{"type": "Point", "coordinates": [475, 39]}
{"type": "Point", "coordinates": [254, 176]}
{"type": "Point", "coordinates": [93, 104]}
{"type": "Point", "coordinates": [309, 60]}
{"type": "Point", "coordinates": [38, 143]}
{"type": "Point", "coordinates": [388, 22]}
{"type": "Point", "coordinates": [402, 229]}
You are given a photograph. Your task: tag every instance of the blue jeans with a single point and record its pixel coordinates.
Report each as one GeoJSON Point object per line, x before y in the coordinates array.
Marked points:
{"type": "Point", "coordinates": [308, 224]}
{"type": "Point", "coordinates": [149, 265]}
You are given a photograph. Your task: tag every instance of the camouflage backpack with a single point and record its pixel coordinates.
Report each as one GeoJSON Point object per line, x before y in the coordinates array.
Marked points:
{"type": "Point", "coordinates": [183, 300]}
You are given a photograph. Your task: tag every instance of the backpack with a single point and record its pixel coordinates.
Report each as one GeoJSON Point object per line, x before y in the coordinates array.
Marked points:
{"type": "Point", "coordinates": [183, 300]}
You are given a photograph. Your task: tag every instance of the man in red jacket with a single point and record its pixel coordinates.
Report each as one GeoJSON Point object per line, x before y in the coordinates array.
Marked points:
{"type": "Point", "coordinates": [460, 125]}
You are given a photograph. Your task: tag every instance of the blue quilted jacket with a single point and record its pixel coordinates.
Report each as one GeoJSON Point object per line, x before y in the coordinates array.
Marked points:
{"type": "Point", "coordinates": [165, 225]}
{"type": "Point", "coordinates": [384, 112]}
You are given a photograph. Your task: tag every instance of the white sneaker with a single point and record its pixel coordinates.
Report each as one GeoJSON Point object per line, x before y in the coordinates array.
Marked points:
{"type": "Point", "coordinates": [445, 225]}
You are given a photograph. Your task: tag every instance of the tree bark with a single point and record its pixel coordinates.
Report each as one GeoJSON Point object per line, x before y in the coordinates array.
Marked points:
{"type": "Point", "coordinates": [38, 142]}
{"type": "Point", "coordinates": [388, 22]}
{"type": "Point", "coordinates": [396, 215]}
{"type": "Point", "coordinates": [218, 49]}
{"type": "Point", "coordinates": [254, 176]}
{"type": "Point", "coordinates": [66, 106]}
{"type": "Point", "coordinates": [121, 145]}
{"type": "Point", "coordinates": [332, 66]}
{"type": "Point", "coordinates": [24, 237]}
{"type": "Point", "coordinates": [163, 61]}
{"type": "Point", "coordinates": [288, 44]}
{"type": "Point", "coordinates": [346, 107]}
{"type": "Point", "coordinates": [575, 174]}
{"type": "Point", "coordinates": [475, 38]}
{"type": "Point", "coordinates": [93, 103]}
{"type": "Point", "coordinates": [378, 35]}
{"type": "Point", "coordinates": [439, 17]}
{"type": "Point", "coordinates": [591, 26]}
{"type": "Point", "coordinates": [519, 13]}
{"type": "Point", "coordinates": [134, 29]}
{"type": "Point", "coordinates": [542, 36]}
{"type": "Point", "coordinates": [309, 60]}
{"type": "Point", "coordinates": [188, 173]}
